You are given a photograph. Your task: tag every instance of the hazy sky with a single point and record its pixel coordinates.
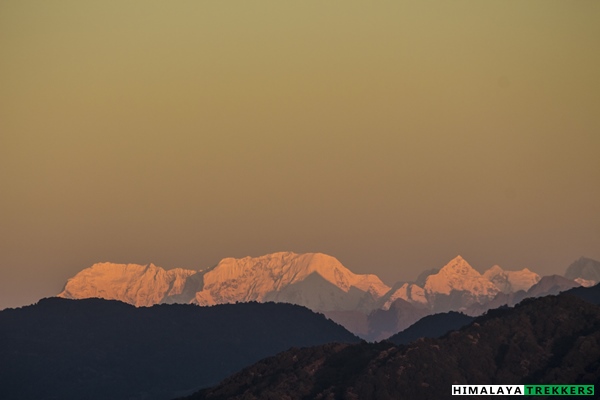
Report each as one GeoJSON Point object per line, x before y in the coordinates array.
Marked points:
{"type": "Point", "coordinates": [392, 135]}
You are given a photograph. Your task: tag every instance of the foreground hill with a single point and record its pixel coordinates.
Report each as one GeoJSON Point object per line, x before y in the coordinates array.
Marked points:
{"type": "Point", "coordinates": [432, 326]}
{"type": "Point", "coordinates": [554, 339]}
{"type": "Point", "coordinates": [589, 294]}
{"type": "Point", "coordinates": [101, 349]}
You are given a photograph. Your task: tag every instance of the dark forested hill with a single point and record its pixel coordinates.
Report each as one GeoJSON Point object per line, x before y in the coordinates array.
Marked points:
{"type": "Point", "coordinates": [554, 339]}
{"type": "Point", "coordinates": [432, 326]}
{"type": "Point", "coordinates": [100, 349]}
{"type": "Point", "coordinates": [589, 294]}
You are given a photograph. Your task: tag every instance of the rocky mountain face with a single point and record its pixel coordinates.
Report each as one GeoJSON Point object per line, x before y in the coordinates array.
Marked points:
{"type": "Point", "coordinates": [547, 285]}
{"type": "Point", "coordinates": [99, 349]}
{"type": "Point", "coordinates": [361, 303]}
{"type": "Point", "coordinates": [455, 287]}
{"type": "Point", "coordinates": [410, 292]}
{"type": "Point", "coordinates": [511, 281]}
{"type": "Point", "coordinates": [139, 285]}
{"type": "Point", "coordinates": [458, 285]}
{"type": "Point", "coordinates": [551, 284]}
{"type": "Point", "coordinates": [549, 340]}
{"type": "Point", "coordinates": [401, 314]}
{"type": "Point", "coordinates": [317, 281]}
{"type": "Point", "coordinates": [584, 271]}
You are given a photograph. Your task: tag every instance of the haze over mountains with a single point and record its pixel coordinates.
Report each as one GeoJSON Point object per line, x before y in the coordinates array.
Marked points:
{"type": "Point", "coordinates": [361, 303]}
{"type": "Point", "coordinates": [98, 348]}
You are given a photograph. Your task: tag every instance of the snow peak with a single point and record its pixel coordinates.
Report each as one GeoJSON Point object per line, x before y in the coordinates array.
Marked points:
{"type": "Point", "coordinates": [489, 390]}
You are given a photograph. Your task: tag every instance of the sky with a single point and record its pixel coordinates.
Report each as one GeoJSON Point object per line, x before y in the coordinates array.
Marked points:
{"type": "Point", "coordinates": [391, 135]}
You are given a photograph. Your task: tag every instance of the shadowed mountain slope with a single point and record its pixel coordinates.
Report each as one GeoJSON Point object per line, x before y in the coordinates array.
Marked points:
{"type": "Point", "coordinates": [554, 339]}
{"type": "Point", "coordinates": [585, 271]}
{"type": "Point", "coordinates": [589, 294]}
{"type": "Point", "coordinates": [432, 326]}
{"type": "Point", "coordinates": [401, 315]}
{"type": "Point", "coordinates": [101, 349]}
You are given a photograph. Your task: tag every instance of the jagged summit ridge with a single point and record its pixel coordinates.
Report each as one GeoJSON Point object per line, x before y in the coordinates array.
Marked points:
{"type": "Point", "coordinates": [284, 277]}
{"type": "Point", "coordinates": [410, 292]}
{"type": "Point", "coordinates": [460, 276]}
{"type": "Point", "coordinates": [511, 281]}
{"type": "Point", "coordinates": [315, 280]}
{"type": "Point", "coordinates": [457, 286]}
{"type": "Point", "coordinates": [584, 271]}
{"type": "Point", "coordinates": [140, 285]}
{"type": "Point", "coordinates": [288, 268]}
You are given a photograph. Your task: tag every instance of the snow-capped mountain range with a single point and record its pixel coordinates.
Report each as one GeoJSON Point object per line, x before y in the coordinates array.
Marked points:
{"type": "Point", "coordinates": [314, 280]}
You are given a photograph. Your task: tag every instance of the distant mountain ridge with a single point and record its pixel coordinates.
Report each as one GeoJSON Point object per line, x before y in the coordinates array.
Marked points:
{"type": "Point", "coordinates": [511, 281]}
{"type": "Point", "coordinates": [436, 325]}
{"type": "Point", "coordinates": [361, 302]}
{"type": "Point", "coordinates": [584, 271]}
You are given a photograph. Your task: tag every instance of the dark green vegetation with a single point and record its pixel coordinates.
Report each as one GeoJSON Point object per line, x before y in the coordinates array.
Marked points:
{"type": "Point", "coordinates": [99, 349]}
{"type": "Point", "coordinates": [554, 339]}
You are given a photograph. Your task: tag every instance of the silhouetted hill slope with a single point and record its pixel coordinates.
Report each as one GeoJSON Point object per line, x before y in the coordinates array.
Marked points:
{"type": "Point", "coordinates": [432, 326]}
{"type": "Point", "coordinates": [591, 294]}
{"type": "Point", "coordinates": [101, 349]}
{"type": "Point", "coordinates": [554, 339]}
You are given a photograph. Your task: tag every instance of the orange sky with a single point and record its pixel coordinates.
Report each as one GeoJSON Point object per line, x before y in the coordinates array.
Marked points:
{"type": "Point", "coordinates": [392, 135]}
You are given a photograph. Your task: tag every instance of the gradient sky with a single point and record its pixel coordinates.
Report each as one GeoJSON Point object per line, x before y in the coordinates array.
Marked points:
{"type": "Point", "coordinates": [392, 135]}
